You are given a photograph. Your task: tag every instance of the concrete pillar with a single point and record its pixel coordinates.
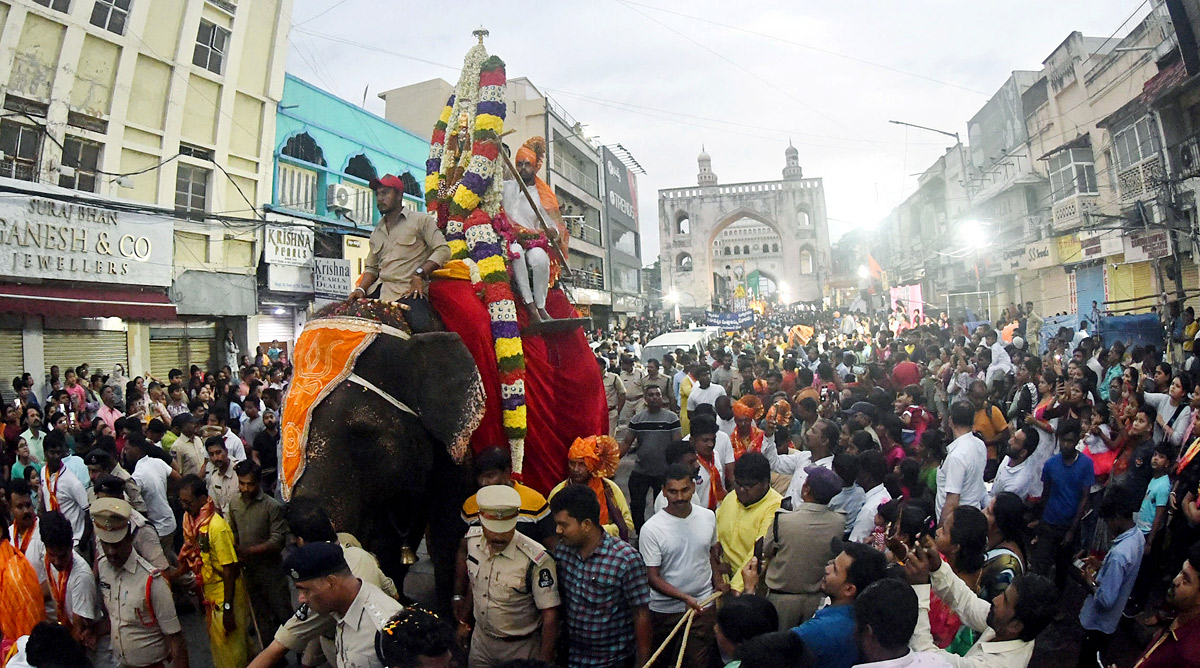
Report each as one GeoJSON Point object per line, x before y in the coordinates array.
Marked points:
{"type": "Point", "coordinates": [137, 336]}
{"type": "Point", "coordinates": [33, 347]}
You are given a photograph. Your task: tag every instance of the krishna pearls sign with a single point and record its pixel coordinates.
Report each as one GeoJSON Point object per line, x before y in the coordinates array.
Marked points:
{"type": "Point", "coordinates": [76, 241]}
{"type": "Point", "coordinates": [288, 245]}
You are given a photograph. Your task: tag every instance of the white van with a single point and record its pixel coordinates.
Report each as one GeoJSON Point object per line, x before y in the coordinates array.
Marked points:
{"type": "Point", "coordinates": [693, 342]}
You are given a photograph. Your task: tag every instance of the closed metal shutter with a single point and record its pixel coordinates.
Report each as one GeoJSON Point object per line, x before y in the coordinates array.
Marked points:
{"type": "Point", "coordinates": [276, 328]}
{"type": "Point", "coordinates": [1056, 292]}
{"type": "Point", "coordinates": [12, 361]}
{"type": "Point", "coordinates": [1089, 287]}
{"type": "Point", "coordinates": [203, 353]}
{"type": "Point", "coordinates": [1144, 284]}
{"type": "Point", "coordinates": [100, 349]}
{"type": "Point", "coordinates": [1131, 282]}
{"type": "Point", "coordinates": [1191, 279]}
{"type": "Point", "coordinates": [167, 354]}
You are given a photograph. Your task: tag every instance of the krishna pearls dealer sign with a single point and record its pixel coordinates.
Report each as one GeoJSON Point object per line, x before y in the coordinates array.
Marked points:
{"type": "Point", "coordinates": [73, 241]}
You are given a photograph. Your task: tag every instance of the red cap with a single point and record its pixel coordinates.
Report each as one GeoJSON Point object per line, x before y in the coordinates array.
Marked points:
{"type": "Point", "coordinates": [388, 181]}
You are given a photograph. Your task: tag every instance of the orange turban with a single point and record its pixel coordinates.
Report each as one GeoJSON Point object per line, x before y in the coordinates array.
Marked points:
{"type": "Point", "coordinates": [533, 151]}
{"type": "Point", "coordinates": [780, 413]}
{"type": "Point", "coordinates": [599, 453]}
{"type": "Point", "coordinates": [748, 407]}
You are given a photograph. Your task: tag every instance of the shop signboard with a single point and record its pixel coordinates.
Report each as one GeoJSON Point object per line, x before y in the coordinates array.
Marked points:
{"type": "Point", "coordinates": [730, 321]}
{"type": "Point", "coordinates": [1040, 254]}
{"type": "Point", "coordinates": [289, 278]}
{"type": "Point", "coordinates": [1147, 245]}
{"type": "Point", "coordinates": [331, 277]}
{"type": "Point", "coordinates": [620, 202]}
{"type": "Point", "coordinates": [1099, 243]}
{"type": "Point", "coordinates": [84, 241]}
{"type": "Point", "coordinates": [288, 245]}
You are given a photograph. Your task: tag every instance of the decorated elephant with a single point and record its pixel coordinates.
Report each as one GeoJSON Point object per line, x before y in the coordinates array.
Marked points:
{"type": "Point", "coordinates": [376, 426]}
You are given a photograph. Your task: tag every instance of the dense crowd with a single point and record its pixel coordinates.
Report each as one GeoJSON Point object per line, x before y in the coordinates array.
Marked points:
{"type": "Point", "coordinates": [819, 490]}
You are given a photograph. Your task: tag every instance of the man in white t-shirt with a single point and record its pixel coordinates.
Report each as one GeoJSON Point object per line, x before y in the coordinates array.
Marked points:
{"type": "Point", "coordinates": [61, 489]}
{"type": "Point", "coordinates": [678, 545]}
{"type": "Point", "coordinates": [960, 477]}
{"type": "Point", "coordinates": [714, 454]}
{"type": "Point", "coordinates": [1016, 470]}
{"type": "Point", "coordinates": [151, 474]}
{"type": "Point", "coordinates": [74, 603]}
{"type": "Point", "coordinates": [704, 391]}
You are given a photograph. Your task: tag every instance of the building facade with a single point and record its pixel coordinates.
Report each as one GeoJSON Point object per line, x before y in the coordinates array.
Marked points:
{"type": "Point", "coordinates": [322, 211]}
{"type": "Point", "coordinates": [136, 160]}
{"type": "Point", "coordinates": [604, 253]}
{"type": "Point", "coordinates": [777, 228]}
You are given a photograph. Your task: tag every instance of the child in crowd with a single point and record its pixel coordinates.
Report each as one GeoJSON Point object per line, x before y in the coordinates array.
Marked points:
{"type": "Point", "coordinates": [910, 406]}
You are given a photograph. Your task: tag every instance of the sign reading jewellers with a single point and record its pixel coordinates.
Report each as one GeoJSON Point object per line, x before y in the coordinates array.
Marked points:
{"type": "Point", "coordinates": [72, 241]}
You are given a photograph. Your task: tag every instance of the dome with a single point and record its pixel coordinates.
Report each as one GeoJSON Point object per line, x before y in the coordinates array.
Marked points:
{"type": "Point", "coordinates": [791, 150]}
{"type": "Point", "coordinates": [703, 157]}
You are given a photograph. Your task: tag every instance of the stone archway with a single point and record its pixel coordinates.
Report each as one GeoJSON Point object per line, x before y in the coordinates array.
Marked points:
{"type": "Point", "coordinates": [716, 263]}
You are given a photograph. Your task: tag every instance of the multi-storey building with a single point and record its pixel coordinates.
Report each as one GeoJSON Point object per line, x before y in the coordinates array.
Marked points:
{"type": "Point", "coordinates": [136, 157]}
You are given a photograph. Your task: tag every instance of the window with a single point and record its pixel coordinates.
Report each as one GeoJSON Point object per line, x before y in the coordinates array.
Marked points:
{"type": "Point", "coordinates": [57, 5]}
{"type": "Point", "coordinates": [746, 249]}
{"type": "Point", "coordinates": [802, 218]}
{"type": "Point", "coordinates": [683, 225]}
{"type": "Point", "coordinates": [626, 241]}
{"type": "Point", "coordinates": [806, 262]}
{"type": "Point", "coordinates": [21, 145]}
{"type": "Point", "coordinates": [111, 15]}
{"type": "Point", "coordinates": [195, 152]}
{"type": "Point", "coordinates": [683, 262]}
{"type": "Point", "coordinates": [737, 250]}
{"type": "Point", "coordinates": [627, 279]}
{"type": "Point", "coordinates": [726, 250]}
{"type": "Point", "coordinates": [1136, 143]}
{"type": "Point", "coordinates": [1072, 172]}
{"type": "Point", "coordinates": [191, 189]}
{"type": "Point", "coordinates": [361, 167]}
{"type": "Point", "coordinates": [211, 41]}
{"type": "Point", "coordinates": [304, 147]}
{"type": "Point", "coordinates": [774, 248]}
{"type": "Point", "coordinates": [84, 156]}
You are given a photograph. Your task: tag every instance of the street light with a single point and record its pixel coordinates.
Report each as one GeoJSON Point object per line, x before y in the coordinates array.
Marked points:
{"type": "Point", "coordinates": [863, 272]}
{"type": "Point", "coordinates": [672, 297]}
{"type": "Point", "coordinates": [973, 234]}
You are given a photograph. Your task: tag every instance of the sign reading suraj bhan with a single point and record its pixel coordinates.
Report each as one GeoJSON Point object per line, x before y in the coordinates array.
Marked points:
{"type": "Point", "coordinates": [73, 241]}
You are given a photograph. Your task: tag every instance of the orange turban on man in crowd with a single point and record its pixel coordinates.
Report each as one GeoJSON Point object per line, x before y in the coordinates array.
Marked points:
{"type": "Point", "coordinates": [600, 454]}
{"type": "Point", "coordinates": [746, 436]}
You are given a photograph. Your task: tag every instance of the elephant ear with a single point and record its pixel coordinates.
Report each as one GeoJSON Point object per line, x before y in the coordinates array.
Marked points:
{"type": "Point", "coordinates": [434, 375]}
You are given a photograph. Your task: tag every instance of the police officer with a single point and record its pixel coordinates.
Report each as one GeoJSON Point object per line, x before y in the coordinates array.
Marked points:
{"type": "Point", "coordinates": [145, 629]}
{"type": "Point", "coordinates": [510, 584]}
{"type": "Point", "coordinates": [325, 584]}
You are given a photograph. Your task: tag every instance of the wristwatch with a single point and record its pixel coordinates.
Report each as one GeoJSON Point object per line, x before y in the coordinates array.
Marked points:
{"type": "Point", "coordinates": [421, 273]}
{"type": "Point", "coordinates": [226, 607]}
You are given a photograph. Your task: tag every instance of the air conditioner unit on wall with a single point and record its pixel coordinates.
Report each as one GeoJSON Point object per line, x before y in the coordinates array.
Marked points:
{"type": "Point", "coordinates": [339, 198]}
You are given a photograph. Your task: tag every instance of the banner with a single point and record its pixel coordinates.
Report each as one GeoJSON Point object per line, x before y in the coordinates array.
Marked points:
{"type": "Point", "coordinates": [730, 322]}
{"type": "Point", "coordinates": [331, 277]}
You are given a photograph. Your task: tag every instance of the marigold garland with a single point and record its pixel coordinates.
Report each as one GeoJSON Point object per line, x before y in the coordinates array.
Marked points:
{"type": "Point", "coordinates": [469, 212]}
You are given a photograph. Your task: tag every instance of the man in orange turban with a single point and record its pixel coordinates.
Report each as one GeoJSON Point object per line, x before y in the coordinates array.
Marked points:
{"type": "Point", "coordinates": [746, 436]}
{"type": "Point", "coordinates": [592, 461]}
{"type": "Point", "coordinates": [21, 605]}
{"type": "Point", "coordinates": [531, 252]}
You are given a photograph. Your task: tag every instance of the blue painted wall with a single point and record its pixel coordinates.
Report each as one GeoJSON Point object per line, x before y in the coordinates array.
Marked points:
{"type": "Point", "coordinates": [344, 130]}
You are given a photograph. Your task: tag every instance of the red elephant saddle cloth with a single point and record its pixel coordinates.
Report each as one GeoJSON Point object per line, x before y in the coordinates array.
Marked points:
{"type": "Point", "coordinates": [325, 355]}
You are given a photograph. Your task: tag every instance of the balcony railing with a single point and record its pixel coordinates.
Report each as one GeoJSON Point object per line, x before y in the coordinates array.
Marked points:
{"type": "Point", "coordinates": [1139, 181]}
{"type": "Point", "coordinates": [1185, 158]}
{"type": "Point", "coordinates": [575, 175]}
{"type": "Point", "coordinates": [297, 188]}
{"type": "Point", "coordinates": [581, 229]}
{"type": "Point", "coordinates": [584, 278]}
{"type": "Point", "coordinates": [1069, 213]}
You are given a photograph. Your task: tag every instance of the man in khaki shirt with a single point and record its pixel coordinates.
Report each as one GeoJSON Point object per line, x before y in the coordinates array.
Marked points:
{"type": "Point", "coordinates": [405, 249]}
{"type": "Point", "coordinates": [633, 377]}
{"type": "Point", "coordinates": [509, 582]}
{"type": "Point", "coordinates": [614, 393]}
{"type": "Point", "coordinates": [141, 610]}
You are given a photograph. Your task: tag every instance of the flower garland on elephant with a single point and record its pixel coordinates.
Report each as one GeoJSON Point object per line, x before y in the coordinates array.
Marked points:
{"type": "Point", "coordinates": [468, 209]}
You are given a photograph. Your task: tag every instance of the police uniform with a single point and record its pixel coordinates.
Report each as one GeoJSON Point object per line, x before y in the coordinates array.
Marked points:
{"type": "Point", "coordinates": [614, 389]}
{"type": "Point", "coordinates": [354, 638]}
{"type": "Point", "coordinates": [138, 599]}
{"type": "Point", "coordinates": [509, 588]}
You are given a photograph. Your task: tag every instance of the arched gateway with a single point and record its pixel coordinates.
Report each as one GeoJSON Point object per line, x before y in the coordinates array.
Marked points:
{"type": "Point", "coordinates": [739, 230]}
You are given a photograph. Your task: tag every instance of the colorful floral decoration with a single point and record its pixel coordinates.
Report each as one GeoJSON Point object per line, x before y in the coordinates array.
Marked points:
{"type": "Point", "coordinates": [463, 189]}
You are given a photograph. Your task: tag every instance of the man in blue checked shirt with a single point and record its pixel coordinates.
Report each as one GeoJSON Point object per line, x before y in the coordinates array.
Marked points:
{"type": "Point", "coordinates": [1111, 586]}
{"type": "Point", "coordinates": [604, 586]}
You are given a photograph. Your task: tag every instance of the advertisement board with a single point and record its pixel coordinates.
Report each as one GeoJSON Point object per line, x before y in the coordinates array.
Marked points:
{"type": "Point", "coordinates": [731, 321]}
{"type": "Point", "coordinates": [1147, 245]}
{"type": "Point", "coordinates": [331, 277]}
{"type": "Point", "coordinates": [620, 202]}
{"type": "Point", "coordinates": [288, 245]}
{"type": "Point", "coordinates": [74, 241]}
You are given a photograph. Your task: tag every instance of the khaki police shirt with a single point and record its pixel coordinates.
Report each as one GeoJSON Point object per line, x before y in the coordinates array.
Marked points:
{"type": "Point", "coordinates": [397, 250]}
{"type": "Point", "coordinates": [138, 634]}
{"type": "Point", "coordinates": [635, 384]}
{"type": "Point", "coordinates": [511, 588]}
{"type": "Point", "coordinates": [355, 640]}
{"type": "Point", "coordinates": [614, 389]}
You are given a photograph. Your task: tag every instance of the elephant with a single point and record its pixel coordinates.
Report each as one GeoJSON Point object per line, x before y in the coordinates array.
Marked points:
{"type": "Point", "coordinates": [378, 454]}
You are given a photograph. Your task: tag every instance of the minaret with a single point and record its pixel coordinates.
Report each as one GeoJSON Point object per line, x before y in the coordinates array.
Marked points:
{"type": "Point", "coordinates": [792, 171]}
{"type": "Point", "coordinates": [706, 176]}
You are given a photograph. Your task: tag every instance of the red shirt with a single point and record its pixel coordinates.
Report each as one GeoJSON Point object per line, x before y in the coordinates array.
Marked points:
{"type": "Point", "coordinates": [1174, 647]}
{"type": "Point", "coordinates": [906, 373]}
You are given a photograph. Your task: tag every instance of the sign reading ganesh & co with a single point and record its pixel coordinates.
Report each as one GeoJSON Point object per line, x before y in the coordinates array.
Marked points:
{"type": "Point", "coordinates": [73, 241]}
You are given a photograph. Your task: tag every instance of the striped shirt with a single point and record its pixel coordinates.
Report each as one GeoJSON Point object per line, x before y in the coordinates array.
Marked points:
{"type": "Point", "coordinates": [533, 520]}
{"type": "Point", "coordinates": [653, 432]}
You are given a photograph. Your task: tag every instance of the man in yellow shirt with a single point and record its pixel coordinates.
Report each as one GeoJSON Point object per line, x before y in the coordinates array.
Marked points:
{"type": "Point", "coordinates": [745, 516]}
{"type": "Point", "coordinates": [208, 551]}
{"type": "Point", "coordinates": [592, 462]}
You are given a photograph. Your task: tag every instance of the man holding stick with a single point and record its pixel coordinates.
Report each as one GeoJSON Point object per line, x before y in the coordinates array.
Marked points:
{"type": "Point", "coordinates": [540, 245]}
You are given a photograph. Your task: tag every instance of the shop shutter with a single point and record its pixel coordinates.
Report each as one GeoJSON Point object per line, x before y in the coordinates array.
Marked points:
{"type": "Point", "coordinates": [1191, 280]}
{"type": "Point", "coordinates": [1144, 284]}
{"type": "Point", "coordinates": [166, 354]}
{"type": "Point", "coordinates": [1055, 292]}
{"type": "Point", "coordinates": [203, 353]}
{"type": "Point", "coordinates": [1131, 282]}
{"type": "Point", "coordinates": [276, 327]}
{"type": "Point", "coordinates": [12, 361]}
{"type": "Point", "coordinates": [1089, 287]}
{"type": "Point", "coordinates": [100, 349]}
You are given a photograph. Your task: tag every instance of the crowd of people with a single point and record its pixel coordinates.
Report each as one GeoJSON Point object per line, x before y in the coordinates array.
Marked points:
{"type": "Point", "coordinates": [821, 490]}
